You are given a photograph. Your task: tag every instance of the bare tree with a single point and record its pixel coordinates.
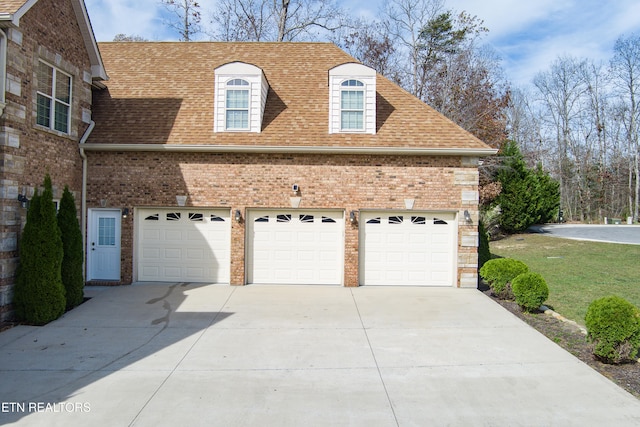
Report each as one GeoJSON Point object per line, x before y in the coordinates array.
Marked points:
{"type": "Point", "coordinates": [246, 20]}
{"type": "Point", "coordinates": [561, 90]}
{"type": "Point", "coordinates": [371, 44]}
{"type": "Point", "coordinates": [121, 37]}
{"type": "Point", "coordinates": [276, 20]}
{"type": "Point", "coordinates": [625, 67]}
{"type": "Point", "coordinates": [523, 126]}
{"type": "Point", "coordinates": [186, 17]}
{"type": "Point", "coordinates": [405, 20]}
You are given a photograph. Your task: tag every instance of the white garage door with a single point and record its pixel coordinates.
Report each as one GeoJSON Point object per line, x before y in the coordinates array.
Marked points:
{"type": "Point", "coordinates": [295, 247]}
{"type": "Point", "coordinates": [407, 248]}
{"type": "Point", "coordinates": [186, 245]}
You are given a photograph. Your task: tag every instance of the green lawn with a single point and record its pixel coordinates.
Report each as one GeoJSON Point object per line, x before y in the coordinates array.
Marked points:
{"type": "Point", "coordinates": [577, 272]}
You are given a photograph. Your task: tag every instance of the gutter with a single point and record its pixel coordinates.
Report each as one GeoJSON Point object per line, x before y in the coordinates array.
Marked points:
{"type": "Point", "coordinates": [83, 197]}
{"type": "Point", "coordinates": [270, 149]}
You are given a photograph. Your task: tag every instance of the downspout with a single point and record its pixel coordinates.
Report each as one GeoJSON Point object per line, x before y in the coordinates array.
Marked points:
{"type": "Point", "coordinates": [3, 69]}
{"type": "Point", "coordinates": [83, 196]}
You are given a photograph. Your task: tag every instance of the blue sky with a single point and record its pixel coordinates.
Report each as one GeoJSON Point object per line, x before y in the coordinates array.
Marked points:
{"type": "Point", "coordinates": [527, 34]}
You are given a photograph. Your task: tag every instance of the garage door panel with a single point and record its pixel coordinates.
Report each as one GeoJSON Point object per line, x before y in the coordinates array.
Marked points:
{"type": "Point", "coordinates": [151, 235]}
{"type": "Point", "coordinates": [184, 244]}
{"type": "Point", "coordinates": [295, 247]}
{"type": "Point", "coordinates": [173, 235]}
{"type": "Point", "coordinates": [407, 249]}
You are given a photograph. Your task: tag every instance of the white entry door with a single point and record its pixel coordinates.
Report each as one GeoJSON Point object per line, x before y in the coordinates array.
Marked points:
{"type": "Point", "coordinates": [407, 248]}
{"type": "Point", "coordinates": [103, 245]}
{"type": "Point", "coordinates": [295, 247]}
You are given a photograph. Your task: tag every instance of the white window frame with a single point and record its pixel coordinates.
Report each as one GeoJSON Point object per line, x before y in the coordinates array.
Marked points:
{"type": "Point", "coordinates": [237, 85]}
{"type": "Point", "coordinates": [54, 100]}
{"type": "Point", "coordinates": [352, 86]}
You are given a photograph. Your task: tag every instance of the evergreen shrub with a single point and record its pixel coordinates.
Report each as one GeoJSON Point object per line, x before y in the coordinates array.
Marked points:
{"type": "Point", "coordinates": [530, 291]}
{"type": "Point", "coordinates": [613, 328]}
{"type": "Point", "coordinates": [72, 276]}
{"type": "Point", "coordinates": [499, 272]}
{"type": "Point", "coordinates": [39, 295]}
{"type": "Point", "coordinates": [484, 252]}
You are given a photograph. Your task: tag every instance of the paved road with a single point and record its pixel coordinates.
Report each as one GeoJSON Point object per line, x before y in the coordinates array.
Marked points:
{"type": "Point", "coordinates": [626, 234]}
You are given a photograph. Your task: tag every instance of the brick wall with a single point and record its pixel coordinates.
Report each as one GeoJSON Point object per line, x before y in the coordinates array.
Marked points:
{"type": "Point", "coordinates": [49, 32]}
{"type": "Point", "coordinates": [241, 181]}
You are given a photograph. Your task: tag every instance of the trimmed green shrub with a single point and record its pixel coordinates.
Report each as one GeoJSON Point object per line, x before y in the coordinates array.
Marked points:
{"type": "Point", "coordinates": [613, 327]}
{"type": "Point", "coordinates": [499, 273]}
{"type": "Point", "coordinates": [39, 294]}
{"type": "Point", "coordinates": [484, 253]}
{"type": "Point", "coordinates": [530, 290]}
{"type": "Point", "coordinates": [72, 277]}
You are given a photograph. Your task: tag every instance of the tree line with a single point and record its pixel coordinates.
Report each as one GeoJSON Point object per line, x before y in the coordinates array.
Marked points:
{"type": "Point", "coordinates": [578, 120]}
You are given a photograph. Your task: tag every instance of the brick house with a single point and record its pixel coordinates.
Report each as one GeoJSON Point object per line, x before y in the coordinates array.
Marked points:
{"type": "Point", "coordinates": [49, 61]}
{"type": "Point", "coordinates": [273, 163]}
{"type": "Point", "coordinates": [233, 163]}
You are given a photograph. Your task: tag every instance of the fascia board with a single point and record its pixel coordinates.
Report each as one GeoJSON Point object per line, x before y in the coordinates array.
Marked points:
{"type": "Point", "coordinates": [257, 149]}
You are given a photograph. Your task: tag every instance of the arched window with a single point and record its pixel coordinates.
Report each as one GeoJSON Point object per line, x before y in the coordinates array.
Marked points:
{"type": "Point", "coordinates": [352, 105]}
{"type": "Point", "coordinates": [237, 104]}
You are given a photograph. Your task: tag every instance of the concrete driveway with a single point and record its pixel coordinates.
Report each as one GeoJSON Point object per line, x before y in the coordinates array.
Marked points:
{"type": "Point", "coordinates": [190, 355]}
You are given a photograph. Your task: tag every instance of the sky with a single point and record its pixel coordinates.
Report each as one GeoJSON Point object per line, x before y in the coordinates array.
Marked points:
{"type": "Point", "coordinates": [527, 34]}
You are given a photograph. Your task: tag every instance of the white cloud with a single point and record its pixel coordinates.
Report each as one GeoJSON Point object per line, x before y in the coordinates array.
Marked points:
{"type": "Point", "coordinates": [530, 35]}
{"type": "Point", "coordinates": [131, 17]}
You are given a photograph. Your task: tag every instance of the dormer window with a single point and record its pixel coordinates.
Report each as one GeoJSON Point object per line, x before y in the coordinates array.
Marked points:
{"type": "Point", "coordinates": [352, 99]}
{"type": "Point", "coordinates": [352, 105]}
{"type": "Point", "coordinates": [240, 97]}
{"type": "Point", "coordinates": [237, 105]}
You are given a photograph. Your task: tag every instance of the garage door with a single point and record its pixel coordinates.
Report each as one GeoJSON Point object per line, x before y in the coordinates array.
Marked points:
{"type": "Point", "coordinates": [186, 245]}
{"type": "Point", "coordinates": [407, 248]}
{"type": "Point", "coordinates": [295, 247]}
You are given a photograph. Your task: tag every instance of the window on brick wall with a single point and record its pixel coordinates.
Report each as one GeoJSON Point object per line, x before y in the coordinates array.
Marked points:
{"type": "Point", "coordinates": [53, 102]}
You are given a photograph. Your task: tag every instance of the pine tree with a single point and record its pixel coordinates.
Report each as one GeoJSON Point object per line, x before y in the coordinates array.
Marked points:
{"type": "Point", "coordinates": [72, 277]}
{"type": "Point", "coordinates": [527, 197]}
{"type": "Point", "coordinates": [39, 294]}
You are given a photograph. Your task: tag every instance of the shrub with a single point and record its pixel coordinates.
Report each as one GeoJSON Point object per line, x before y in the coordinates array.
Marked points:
{"type": "Point", "coordinates": [72, 277]}
{"type": "Point", "coordinates": [528, 196]}
{"type": "Point", "coordinates": [530, 291]}
{"type": "Point", "coordinates": [39, 294]}
{"type": "Point", "coordinates": [499, 273]}
{"type": "Point", "coordinates": [484, 252]}
{"type": "Point", "coordinates": [613, 327]}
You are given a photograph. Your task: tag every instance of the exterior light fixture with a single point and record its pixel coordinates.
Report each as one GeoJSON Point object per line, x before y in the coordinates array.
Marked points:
{"type": "Point", "coordinates": [352, 217]}
{"type": "Point", "coordinates": [24, 202]}
{"type": "Point", "coordinates": [181, 200]}
{"type": "Point", "coordinates": [467, 217]}
{"type": "Point", "coordinates": [238, 216]}
{"type": "Point", "coordinates": [125, 212]}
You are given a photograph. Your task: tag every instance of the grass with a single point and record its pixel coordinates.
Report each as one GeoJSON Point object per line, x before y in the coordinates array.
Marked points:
{"type": "Point", "coordinates": [577, 272]}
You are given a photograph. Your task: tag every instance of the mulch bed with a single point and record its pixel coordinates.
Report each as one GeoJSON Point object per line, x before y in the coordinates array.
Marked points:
{"type": "Point", "coordinates": [572, 339]}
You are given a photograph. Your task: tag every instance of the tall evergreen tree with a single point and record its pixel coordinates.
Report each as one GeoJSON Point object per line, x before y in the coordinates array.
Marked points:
{"type": "Point", "coordinates": [39, 294]}
{"type": "Point", "coordinates": [528, 197]}
{"type": "Point", "coordinates": [72, 277]}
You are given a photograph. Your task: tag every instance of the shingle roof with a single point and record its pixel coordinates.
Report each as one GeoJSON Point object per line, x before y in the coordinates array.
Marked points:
{"type": "Point", "coordinates": [11, 6]}
{"type": "Point", "coordinates": [162, 93]}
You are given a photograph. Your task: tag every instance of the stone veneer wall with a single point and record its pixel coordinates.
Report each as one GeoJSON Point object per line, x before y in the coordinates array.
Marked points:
{"type": "Point", "coordinates": [49, 32]}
